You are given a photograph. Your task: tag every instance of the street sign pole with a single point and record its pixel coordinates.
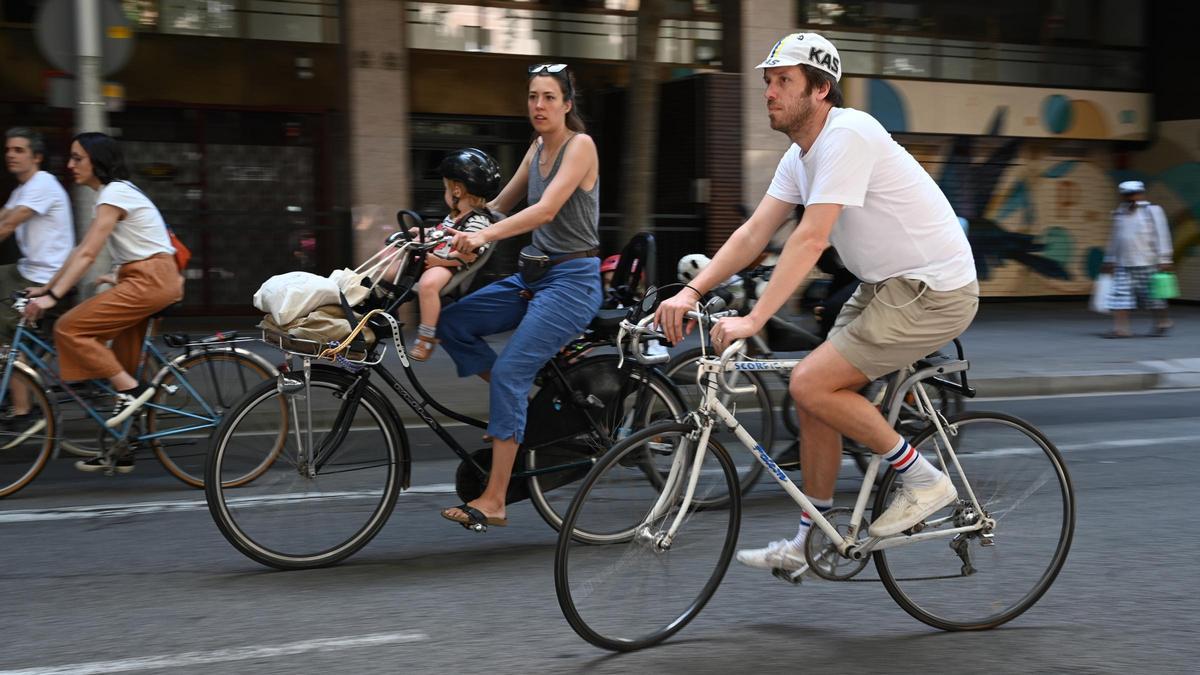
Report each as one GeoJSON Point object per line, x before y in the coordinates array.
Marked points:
{"type": "Point", "coordinates": [90, 115]}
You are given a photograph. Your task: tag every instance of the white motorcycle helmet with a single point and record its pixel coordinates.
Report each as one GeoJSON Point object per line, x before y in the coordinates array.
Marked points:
{"type": "Point", "coordinates": [691, 264]}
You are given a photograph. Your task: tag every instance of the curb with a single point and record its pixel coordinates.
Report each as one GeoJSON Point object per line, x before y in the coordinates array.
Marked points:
{"type": "Point", "coordinates": [1067, 384]}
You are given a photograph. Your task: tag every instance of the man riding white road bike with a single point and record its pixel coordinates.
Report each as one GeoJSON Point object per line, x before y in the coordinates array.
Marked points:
{"type": "Point", "coordinates": [896, 231]}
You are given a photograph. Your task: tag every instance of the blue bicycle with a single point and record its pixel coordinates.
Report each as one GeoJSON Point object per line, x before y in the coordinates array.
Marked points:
{"type": "Point", "coordinates": [195, 386]}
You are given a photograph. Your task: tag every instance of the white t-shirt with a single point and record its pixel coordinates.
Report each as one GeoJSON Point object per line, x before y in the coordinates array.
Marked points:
{"type": "Point", "coordinates": [1140, 236]}
{"type": "Point", "coordinates": [142, 233]}
{"type": "Point", "coordinates": [895, 222]}
{"type": "Point", "coordinates": [47, 236]}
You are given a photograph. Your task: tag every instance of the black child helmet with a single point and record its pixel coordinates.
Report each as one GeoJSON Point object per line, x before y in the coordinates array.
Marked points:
{"type": "Point", "coordinates": [475, 169]}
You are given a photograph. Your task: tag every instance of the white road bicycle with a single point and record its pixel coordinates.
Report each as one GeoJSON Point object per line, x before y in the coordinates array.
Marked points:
{"type": "Point", "coordinates": [978, 563]}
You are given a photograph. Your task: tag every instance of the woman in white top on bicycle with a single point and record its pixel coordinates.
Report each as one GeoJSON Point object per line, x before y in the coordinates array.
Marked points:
{"type": "Point", "coordinates": [147, 281]}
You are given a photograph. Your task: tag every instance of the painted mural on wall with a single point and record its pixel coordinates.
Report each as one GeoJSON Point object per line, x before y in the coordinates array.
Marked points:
{"type": "Point", "coordinates": [1037, 220]}
{"type": "Point", "coordinates": [1038, 210]}
{"type": "Point", "coordinates": [931, 107]}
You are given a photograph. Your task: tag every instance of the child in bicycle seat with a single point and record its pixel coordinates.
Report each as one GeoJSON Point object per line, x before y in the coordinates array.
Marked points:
{"type": "Point", "coordinates": [471, 178]}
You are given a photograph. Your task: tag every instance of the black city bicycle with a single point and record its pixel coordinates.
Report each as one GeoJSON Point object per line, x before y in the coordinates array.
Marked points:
{"type": "Point", "coordinates": [346, 454]}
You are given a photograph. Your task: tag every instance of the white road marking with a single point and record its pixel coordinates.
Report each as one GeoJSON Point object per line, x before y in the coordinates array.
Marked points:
{"type": "Point", "coordinates": [175, 506]}
{"type": "Point", "coordinates": [169, 661]}
{"type": "Point", "coordinates": [1094, 394]}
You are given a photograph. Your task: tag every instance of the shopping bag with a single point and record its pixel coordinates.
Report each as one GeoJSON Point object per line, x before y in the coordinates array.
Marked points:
{"type": "Point", "coordinates": [287, 297]}
{"type": "Point", "coordinates": [355, 285]}
{"type": "Point", "coordinates": [1164, 286]}
{"type": "Point", "coordinates": [1101, 292]}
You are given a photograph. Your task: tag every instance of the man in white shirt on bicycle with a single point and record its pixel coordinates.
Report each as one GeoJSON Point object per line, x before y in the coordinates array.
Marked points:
{"type": "Point", "coordinates": [895, 230]}
{"type": "Point", "coordinates": [38, 214]}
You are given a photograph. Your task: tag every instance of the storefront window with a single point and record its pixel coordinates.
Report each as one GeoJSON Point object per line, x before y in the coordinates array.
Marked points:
{"type": "Point", "coordinates": [143, 14]}
{"type": "Point", "coordinates": [285, 20]}
{"type": "Point", "coordinates": [212, 18]}
{"type": "Point", "coordinates": [1055, 43]}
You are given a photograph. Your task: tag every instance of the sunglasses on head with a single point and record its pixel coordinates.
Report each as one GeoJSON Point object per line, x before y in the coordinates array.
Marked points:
{"type": "Point", "coordinates": [547, 68]}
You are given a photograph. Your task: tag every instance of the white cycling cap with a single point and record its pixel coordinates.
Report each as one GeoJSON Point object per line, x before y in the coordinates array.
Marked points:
{"type": "Point", "coordinates": [805, 49]}
{"type": "Point", "coordinates": [1131, 187]}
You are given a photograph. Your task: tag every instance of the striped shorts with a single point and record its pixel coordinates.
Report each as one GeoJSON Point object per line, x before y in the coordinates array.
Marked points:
{"type": "Point", "coordinates": [1131, 289]}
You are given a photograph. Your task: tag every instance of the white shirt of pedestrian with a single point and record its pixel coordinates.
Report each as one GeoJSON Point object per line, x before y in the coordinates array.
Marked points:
{"type": "Point", "coordinates": [1140, 237]}
{"type": "Point", "coordinates": [47, 237]}
{"type": "Point", "coordinates": [142, 232]}
{"type": "Point", "coordinates": [896, 222]}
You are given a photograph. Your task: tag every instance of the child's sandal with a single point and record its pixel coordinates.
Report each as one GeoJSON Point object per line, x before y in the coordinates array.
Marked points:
{"type": "Point", "coordinates": [423, 348]}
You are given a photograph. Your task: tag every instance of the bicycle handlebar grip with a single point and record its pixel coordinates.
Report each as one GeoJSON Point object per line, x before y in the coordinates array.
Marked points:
{"type": "Point", "coordinates": [641, 333]}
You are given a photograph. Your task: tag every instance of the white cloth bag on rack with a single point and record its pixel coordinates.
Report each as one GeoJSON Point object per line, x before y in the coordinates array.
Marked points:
{"type": "Point", "coordinates": [287, 297]}
{"type": "Point", "coordinates": [358, 283]}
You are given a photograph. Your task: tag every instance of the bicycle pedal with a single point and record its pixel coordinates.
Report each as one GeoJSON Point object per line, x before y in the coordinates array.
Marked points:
{"type": "Point", "coordinates": [788, 576]}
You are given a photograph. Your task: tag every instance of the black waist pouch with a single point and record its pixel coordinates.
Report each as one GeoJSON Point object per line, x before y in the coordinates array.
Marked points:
{"type": "Point", "coordinates": [532, 263]}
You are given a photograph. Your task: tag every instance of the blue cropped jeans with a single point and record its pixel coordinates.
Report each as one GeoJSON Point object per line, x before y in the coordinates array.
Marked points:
{"type": "Point", "coordinates": [564, 302]}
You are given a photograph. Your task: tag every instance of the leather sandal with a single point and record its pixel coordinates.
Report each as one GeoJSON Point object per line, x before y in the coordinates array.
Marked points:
{"type": "Point", "coordinates": [473, 519]}
{"type": "Point", "coordinates": [422, 348]}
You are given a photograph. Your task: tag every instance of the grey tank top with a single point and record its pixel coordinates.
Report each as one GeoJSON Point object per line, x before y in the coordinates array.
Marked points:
{"type": "Point", "coordinates": [576, 227]}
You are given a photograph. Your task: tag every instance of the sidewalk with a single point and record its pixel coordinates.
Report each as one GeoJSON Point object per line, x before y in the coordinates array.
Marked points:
{"type": "Point", "coordinates": [1015, 349]}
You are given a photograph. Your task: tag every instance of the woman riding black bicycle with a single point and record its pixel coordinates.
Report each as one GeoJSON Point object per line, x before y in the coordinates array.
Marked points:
{"type": "Point", "coordinates": [557, 292]}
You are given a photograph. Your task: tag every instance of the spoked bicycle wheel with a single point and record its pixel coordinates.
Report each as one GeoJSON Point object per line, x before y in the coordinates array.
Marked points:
{"type": "Point", "coordinates": [971, 582]}
{"type": "Point", "coordinates": [295, 514]}
{"type": "Point", "coordinates": [753, 411]}
{"type": "Point", "coordinates": [185, 411]}
{"type": "Point", "coordinates": [639, 589]}
{"type": "Point", "coordinates": [622, 408]}
{"type": "Point", "coordinates": [26, 441]}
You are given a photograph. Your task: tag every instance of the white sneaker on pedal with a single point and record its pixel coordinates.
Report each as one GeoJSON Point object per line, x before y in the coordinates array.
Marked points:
{"type": "Point", "coordinates": [128, 404]}
{"type": "Point", "coordinates": [911, 505]}
{"type": "Point", "coordinates": [776, 555]}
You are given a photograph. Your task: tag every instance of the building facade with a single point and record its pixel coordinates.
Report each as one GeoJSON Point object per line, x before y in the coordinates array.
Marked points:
{"type": "Point", "coordinates": [1027, 114]}
{"type": "Point", "coordinates": [285, 135]}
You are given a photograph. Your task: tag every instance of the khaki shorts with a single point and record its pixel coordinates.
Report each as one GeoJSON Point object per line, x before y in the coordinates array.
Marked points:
{"type": "Point", "coordinates": [878, 339]}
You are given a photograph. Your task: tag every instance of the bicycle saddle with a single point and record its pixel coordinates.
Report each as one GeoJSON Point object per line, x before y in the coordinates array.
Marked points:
{"type": "Point", "coordinates": [607, 321]}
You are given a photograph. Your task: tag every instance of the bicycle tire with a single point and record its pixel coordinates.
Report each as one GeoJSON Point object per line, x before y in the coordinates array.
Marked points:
{"type": "Point", "coordinates": [26, 447]}
{"type": "Point", "coordinates": [761, 426]}
{"type": "Point", "coordinates": [972, 577]}
{"type": "Point", "coordinates": [577, 440]}
{"type": "Point", "coordinates": [603, 594]}
{"type": "Point", "coordinates": [288, 519]}
{"type": "Point", "coordinates": [219, 378]}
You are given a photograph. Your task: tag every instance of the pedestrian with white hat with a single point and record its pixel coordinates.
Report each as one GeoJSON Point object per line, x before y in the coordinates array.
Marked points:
{"type": "Point", "coordinates": [1140, 246]}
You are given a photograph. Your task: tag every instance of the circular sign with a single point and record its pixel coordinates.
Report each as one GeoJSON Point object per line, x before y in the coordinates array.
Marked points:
{"type": "Point", "coordinates": [55, 31]}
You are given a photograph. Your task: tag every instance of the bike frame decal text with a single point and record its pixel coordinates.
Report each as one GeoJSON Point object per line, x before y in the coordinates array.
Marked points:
{"type": "Point", "coordinates": [766, 459]}
{"type": "Point", "coordinates": [762, 365]}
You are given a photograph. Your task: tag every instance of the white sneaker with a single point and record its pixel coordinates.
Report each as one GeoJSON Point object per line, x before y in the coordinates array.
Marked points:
{"type": "Point", "coordinates": [912, 505]}
{"type": "Point", "coordinates": [127, 404]}
{"type": "Point", "coordinates": [776, 555]}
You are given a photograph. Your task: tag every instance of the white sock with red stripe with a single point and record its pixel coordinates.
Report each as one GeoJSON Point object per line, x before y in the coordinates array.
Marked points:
{"type": "Point", "coordinates": [822, 505]}
{"type": "Point", "coordinates": [914, 469]}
